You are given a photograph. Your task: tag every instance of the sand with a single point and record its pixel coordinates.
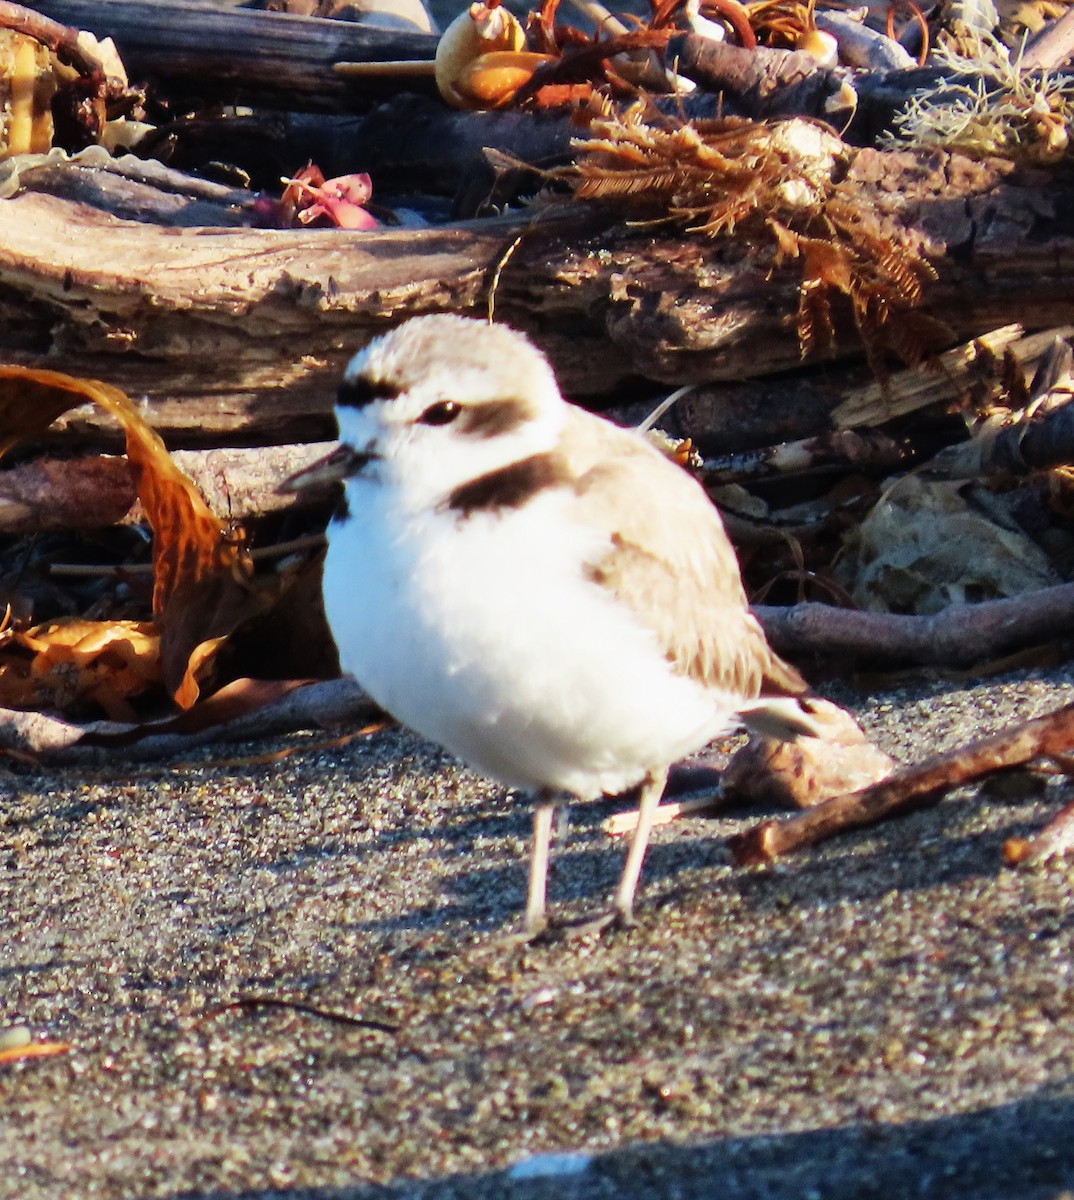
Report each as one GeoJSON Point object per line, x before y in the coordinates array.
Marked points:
{"type": "Point", "coordinates": [890, 1014]}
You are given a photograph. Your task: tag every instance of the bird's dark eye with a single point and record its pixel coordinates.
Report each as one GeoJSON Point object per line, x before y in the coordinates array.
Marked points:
{"type": "Point", "coordinates": [442, 413]}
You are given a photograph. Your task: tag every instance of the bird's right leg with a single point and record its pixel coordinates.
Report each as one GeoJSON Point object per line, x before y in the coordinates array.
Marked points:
{"type": "Point", "coordinates": [535, 919]}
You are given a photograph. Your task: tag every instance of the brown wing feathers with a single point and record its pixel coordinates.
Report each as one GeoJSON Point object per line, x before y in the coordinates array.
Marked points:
{"type": "Point", "coordinates": [673, 565]}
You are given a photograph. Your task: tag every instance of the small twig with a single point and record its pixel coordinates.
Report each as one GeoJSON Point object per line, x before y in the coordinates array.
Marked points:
{"type": "Point", "coordinates": [92, 570]}
{"type": "Point", "coordinates": [620, 824]}
{"type": "Point", "coordinates": [844, 448]}
{"type": "Point", "coordinates": [664, 405]}
{"type": "Point", "coordinates": [310, 541]}
{"type": "Point", "coordinates": [497, 271]}
{"type": "Point", "coordinates": [233, 764]}
{"type": "Point", "coordinates": [252, 1003]}
{"type": "Point", "coordinates": [917, 787]}
{"type": "Point", "coordinates": [402, 68]}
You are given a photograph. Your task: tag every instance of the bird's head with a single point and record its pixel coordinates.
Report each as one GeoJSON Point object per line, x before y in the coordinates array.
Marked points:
{"type": "Point", "coordinates": [438, 402]}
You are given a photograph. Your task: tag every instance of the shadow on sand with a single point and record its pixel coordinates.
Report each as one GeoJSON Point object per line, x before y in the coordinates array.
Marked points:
{"type": "Point", "coordinates": [1018, 1151]}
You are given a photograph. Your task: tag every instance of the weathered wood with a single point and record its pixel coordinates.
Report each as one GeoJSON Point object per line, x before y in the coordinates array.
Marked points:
{"type": "Point", "coordinates": [52, 738]}
{"type": "Point", "coordinates": [1051, 46]}
{"type": "Point", "coordinates": [958, 636]}
{"type": "Point", "coordinates": [238, 335]}
{"type": "Point", "coordinates": [50, 494]}
{"type": "Point", "coordinates": [252, 57]}
{"type": "Point", "coordinates": [96, 491]}
{"type": "Point", "coordinates": [138, 189]}
{"type": "Point", "coordinates": [680, 309]}
{"type": "Point", "coordinates": [943, 381]}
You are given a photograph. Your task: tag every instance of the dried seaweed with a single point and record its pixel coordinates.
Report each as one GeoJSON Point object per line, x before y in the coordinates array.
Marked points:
{"type": "Point", "coordinates": [988, 104]}
{"type": "Point", "coordinates": [781, 23]}
{"type": "Point", "coordinates": [777, 184]}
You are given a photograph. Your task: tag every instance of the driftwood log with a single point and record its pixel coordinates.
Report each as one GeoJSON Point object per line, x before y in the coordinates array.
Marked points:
{"type": "Point", "coordinates": [958, 636]}
{"type": "Point", "coordinates": [223, 53]}
{"type": "Point", "coordinates": [237, 335]}
{"type": "Point", "coordinates": [240, 55]}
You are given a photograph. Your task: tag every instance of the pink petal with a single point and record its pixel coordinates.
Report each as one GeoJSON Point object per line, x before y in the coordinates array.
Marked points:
{"type": "Point", "coordinates": [341, 213]}
{"type": "Point", "coordinates": [355, 189]}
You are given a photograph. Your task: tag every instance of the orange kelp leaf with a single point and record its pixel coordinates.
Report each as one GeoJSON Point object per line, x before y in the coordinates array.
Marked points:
{"type": "Point", "coordinates": [200, 571]}
{"type": "Point", "coordinates": [74, 660]}
{"type": "Point", "coordinates": [30, 400]}
{"type": "Point", "coordinates": [189, 540]}
{"type": "Point", "coordinates": [197, 665]}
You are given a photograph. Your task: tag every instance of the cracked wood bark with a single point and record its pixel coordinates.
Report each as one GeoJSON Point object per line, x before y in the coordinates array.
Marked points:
{"type": "Point", "coordinates": [238, 336]}
{"type": "Point", "coordinates": [234, 335]}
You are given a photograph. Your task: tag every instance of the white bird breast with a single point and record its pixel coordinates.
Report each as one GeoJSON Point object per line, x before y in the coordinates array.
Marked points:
{"type": "Point", "coordinates": [484, 634]}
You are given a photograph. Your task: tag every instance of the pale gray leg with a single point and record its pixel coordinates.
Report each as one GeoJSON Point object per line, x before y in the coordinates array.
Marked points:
{"type": "Point", "coordinates": [536, 918]}
{"type": "Point", "coordinates": [651, 791]}
{"type": "Point", "coordinates": [621, 911]}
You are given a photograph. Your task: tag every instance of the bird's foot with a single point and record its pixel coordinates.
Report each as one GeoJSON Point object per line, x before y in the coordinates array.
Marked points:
{"type": "Point", "coordinates": [528, 932]}
{"type": "Point", "coordinates": [596, 926]}
{"type": "Point", "coordinates": [541, 930]}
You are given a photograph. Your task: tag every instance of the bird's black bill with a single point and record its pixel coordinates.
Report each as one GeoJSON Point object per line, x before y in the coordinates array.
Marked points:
{"type": "Point", "coordinates": [342, 463]}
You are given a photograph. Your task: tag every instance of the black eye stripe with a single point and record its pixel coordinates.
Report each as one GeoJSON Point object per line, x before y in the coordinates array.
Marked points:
{"type": "Point", "coordinates": [493, 417]}
{"type": "Point", "coordinates": [482, 419]}
{"type": "Point", "coordinates": [362, 391]}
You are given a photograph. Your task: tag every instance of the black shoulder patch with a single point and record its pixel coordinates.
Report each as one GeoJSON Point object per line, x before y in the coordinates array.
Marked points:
{"type": "Point", "coordinates": [359, 392]}
{"type": "Point", "coordinates": [508, 487]}
{"type": "Point", "coordinates": [493, 417]}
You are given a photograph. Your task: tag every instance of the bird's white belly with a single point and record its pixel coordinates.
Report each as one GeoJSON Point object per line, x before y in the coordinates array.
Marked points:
{"type": "Point", "coordinates": [486, 637]}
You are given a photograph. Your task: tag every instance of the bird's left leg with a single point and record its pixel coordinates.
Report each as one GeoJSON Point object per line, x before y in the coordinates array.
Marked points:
{"type": "Point", "coordinates": [652, 789]}
{"type": "Point", "coordinates": [621, 912]}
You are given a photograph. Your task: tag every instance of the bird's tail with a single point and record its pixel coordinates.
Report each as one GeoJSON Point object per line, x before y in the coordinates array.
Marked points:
{"type": "Point", "coordinates": [784, 717]}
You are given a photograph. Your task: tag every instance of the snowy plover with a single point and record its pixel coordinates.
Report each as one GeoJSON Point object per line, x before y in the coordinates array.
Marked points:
{"type": "Point", "coordinates": [534, 588]}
